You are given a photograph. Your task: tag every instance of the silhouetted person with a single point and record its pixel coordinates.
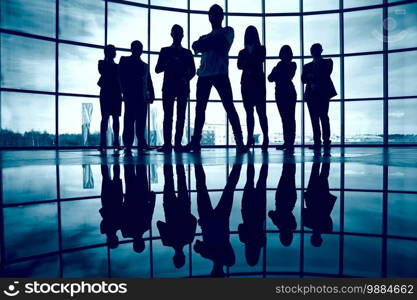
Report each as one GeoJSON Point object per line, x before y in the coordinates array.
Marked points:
{"type": "Point", "coordinates": [110, 96]}
{"type": "Point", "coordinates": [179, 227]}
{"type": "Point", "coordinates": [252, 230]}
{"type": "Point", "coordinates": [214, 48]}
{"type": "Point", "coordinates": [251, 60]}
{"type": "Point", "coordinates": [138, 206]}
{"type": "Point", "coordinates": [285, 95]}
{"type": "Point", "coordinates": [111, 204]}
{"type": "Point", "coordinates": [177, 63]}
{"type": "Point", "coordinates": [318, 92]}
{"type": "Point", "coordinates": [215, 222]}
{"type": "Point", "coordinates": [285, 199]}
{"type": "Point", "coordinates": [319, 203]}
{"type": "Point", "coordinates": [138, 92]}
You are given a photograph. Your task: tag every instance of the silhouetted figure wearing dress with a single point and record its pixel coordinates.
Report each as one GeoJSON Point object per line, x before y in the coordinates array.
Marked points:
{"type": "Point", "coordinates": [318, 92]}
{"type": "Point", "coordinates": [252, 230]}
{"type": "Point", "coordinates": [213, 71]}
{"type": "Point", "coordinates": [111, 204]}
{"type": "Point", "coordinates": [251, 60]}
{"type": "Point", "coordinates": [110, 96]}
{"type": "Point", "coordinates": [138, 206]}
{"type": "Point", "coordinates": [319, 203]}
{"type": "Point", "coordinates": [285, 199]}
{"type": "Point", "coordinates": [180, 225]}
{"type": "Point", "coordinates": [285, 95]}
{"type": "Point", "coordinates": [177, 63]}
{"type": "Point", "coordinates": [215, 222]}
{"type": "Point", "coordinates": [138, 92]}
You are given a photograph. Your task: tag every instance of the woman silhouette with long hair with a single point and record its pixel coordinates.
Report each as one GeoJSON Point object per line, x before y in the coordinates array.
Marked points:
{"type": "Point", "coordinates": [285, 95]}
{"type": "Point", "coordinates": [253, 88]}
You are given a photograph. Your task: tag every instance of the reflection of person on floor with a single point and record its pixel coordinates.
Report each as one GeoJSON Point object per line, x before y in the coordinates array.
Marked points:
{"type": "Point", "coordinates": [138, 206]}
{"type": "Point", "coordinates": [285, 199]}
{"type": "Point", "coordinates": [179, 227]}
{"type": "Point", "coordinates": [319, 203]}
{"type": "Point", "coordinates": [111, 204]}
{"type": "Point", "coordinates": [252, 230]}
{"type": "Point", "coordinates": [214, 223]}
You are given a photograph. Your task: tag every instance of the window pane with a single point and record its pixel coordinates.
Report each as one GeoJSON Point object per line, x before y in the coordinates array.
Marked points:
{"type": "Point", "coordinates": [29, 183]}
{"type": "Point", "coordinates": [36, 17]}
{"type": "Point", "coordinates": [274, 6]}
{"type": "Point", "coordinates": [27, 63]}
{"type": "Point", "coordinates": [82, 21]}
{"type": "Point", "coordinates": [239, 25]}
{"type": "Point", "coordinates": [402, 121]}
{"type": "Point", "coordinates": [364, 122]}
{"type": "Point", "coordinates": [362, 256]}
{"type": "Point", "coordinates": [314, 5]}
{"type": "Point", "coordinates": [78, 116]}
{"type": "Point", "coordinates": [358, 3]}
{"type": "Point", "coordinates": [78, 69]}
{"type": "Point", "coordinates": [17, 130]}
{"type": "Point", "coordinates": [127, 23]}
{"type": "Point", "coordinates": [402, 74]}
{"type": "Point", "coordinates": [402, 29]}
{"type": "Point", "coordinates": [214, 131]}
{"type": "Point", "coordinates": [363, 212]}
{"type": "Point", "coordinates": [170, 3]}
{"type": "Point", "coordinates": [161, 24]}
{"type": "Point", "coordinates": [206, 4]}
{"type": "Point", "coordinates": [363, 76]}
{"type": "Point", "coordinates": [281, 31]}
{"type": "Point", "coordinates": [363, 31]}
{"type": "Point", "coordinates": [323, 29]}
{"type": "Point", "coordinates": [245, 6]}
{"type": "Point", "coordinates": [199, 25]}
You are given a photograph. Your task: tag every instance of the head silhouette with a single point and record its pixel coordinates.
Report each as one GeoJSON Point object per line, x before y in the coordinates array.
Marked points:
{"type": "Point", "coordinates": [179, 259]}
{"type": "Point", "coordinates": [316, 50]}
{"type": "Point", "coordinates": [216, 15]}
{"type": "Point", "coordinates": [286, 237]}
{"type": "Point", "coordinates": [252, 253]}
{"type": "Point", "coordinates": [252, 36]}
{"type": "Point", "coordinates": [286, 53]}
{"type": "Point", "coordinates": [177, 33]}
{"type": "Point", "coordinates": [112, 241]}
{"type": "Point", "coordinates": [316, 239]}
{"type": "Point", "coordinates": [110, 51]}
{"type": "Point", "coordinates": [137, 48]}
{"type": "Point", "coordinates": [138, 245]}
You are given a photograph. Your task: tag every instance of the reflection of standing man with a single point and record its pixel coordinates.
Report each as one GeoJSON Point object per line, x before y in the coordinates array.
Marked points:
{"type": "Point", "coordinates": [177, 63]}
{"type": "Point", "coordinates": [213, 71]}
{"type": "Point", "coordinates": [319, 203]}
{"type": "Point", "coordinates": [138, 206]}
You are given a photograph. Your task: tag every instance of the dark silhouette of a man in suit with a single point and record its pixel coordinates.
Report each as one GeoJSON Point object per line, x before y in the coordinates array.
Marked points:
{"type": "Point", "coordinates": [215, 222]}
{"type": "Point", "coordinates": [138, 92]}
{"type": "Point", "coordinates": [138, 206]}
{"type": "Point", "coordinates": [213, 71]}
{"type": "Point", "coordinates": [179, 227]}
{"type": "Point", "coordinates": [110, 96]}
{"type": "Point", "coordinates": [318, 92]}
{"type": "Point", "coordinates": [111, 204]}
{"type": "Point", "coordinates": [285, 199]}
{"type": "Point", "coordinates": [177, 63]}
{"type": "Point", "coordinates": [319, 203]}
{"type": "Point", "coordinates": [252, 230]}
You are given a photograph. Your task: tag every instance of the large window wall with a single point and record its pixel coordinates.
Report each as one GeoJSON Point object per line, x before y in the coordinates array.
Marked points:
{"type": "Point", "coordinates": [50, 48]}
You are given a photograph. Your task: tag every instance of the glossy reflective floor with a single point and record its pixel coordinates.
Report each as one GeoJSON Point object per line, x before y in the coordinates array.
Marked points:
{"type": "Point", "coordinates": [79, 214]}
